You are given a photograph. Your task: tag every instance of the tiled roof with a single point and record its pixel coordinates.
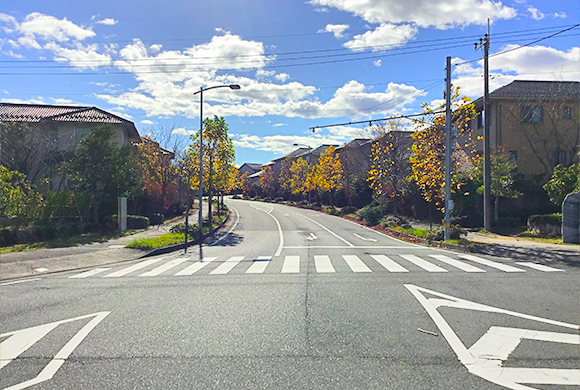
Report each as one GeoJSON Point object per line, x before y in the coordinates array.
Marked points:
{"type": "Point", "coordinates": [538, 89]}
{"type": "Point", "coordinates": [36, 113]}
{"type": "Point", "coordinates": [255, 167]}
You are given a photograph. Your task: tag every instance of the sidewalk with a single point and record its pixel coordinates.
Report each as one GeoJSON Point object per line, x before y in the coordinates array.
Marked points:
{"type": "Point", "coordinates": [41, 261]}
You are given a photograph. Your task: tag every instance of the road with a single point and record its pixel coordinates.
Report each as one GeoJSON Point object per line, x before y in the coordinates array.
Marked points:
{"type": "Point", "coordinates": [296, 299]}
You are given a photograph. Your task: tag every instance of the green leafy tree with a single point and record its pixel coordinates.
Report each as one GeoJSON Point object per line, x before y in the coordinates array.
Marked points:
{"type": "Point", "coordinates": [563, 182]}
{"type": "Point", "coordinates": [103, 168]}
{"type": "Point", "coordinates": [18, 199]}
{"type": "Point", "coordinates": [502, 183]}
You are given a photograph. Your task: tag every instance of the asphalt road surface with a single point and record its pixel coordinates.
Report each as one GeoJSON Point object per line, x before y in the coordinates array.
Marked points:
{"type": "Point", "coordinates": [295, 299]}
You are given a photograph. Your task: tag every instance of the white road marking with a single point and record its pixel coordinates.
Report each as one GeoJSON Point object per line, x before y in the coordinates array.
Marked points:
{"type": "Point", "coordinates": [356, 264]}
{"type": "Point", "coordinates": [352, 247]}
{"type": "Point", "coordinates": [419, 262]}
{"type": "Point", "coordinates": [227, 266]}
{"type": "Point", "coordinates": [19, 281]}
{"type": "Point", "coordinates": [312, 237]}
{"type": "Point", "coordinates": [165, 267]}
{"type": "Point", "coordinates": [485, 357]}
{"type": "Point", "coordinates": [41, 269]}
{"type": "Point", "coordinates": [279, 229]}
{"type": "Point", "coordinates": [291, 265]}
{"type": "Point", "coordinates": [116, 246]}
{"type": "Point", "coordinates": [364, 238]}
{"type": "Point", "coordinates": [457, 264]}
{"type": "Point", "coordinates": [328, 230]}
{"type": "Point", "coordinates": [133, 268]}
{"type": "Point", "coordinates": [540, 267]}
{"type": "Point", "coordinates": [190, 270]}
{"type": "Point", "coordinates": [90, 273]}
{"type": "Point", "coordinates": [389, 264]}
{"type": "Point", "coordinates": [25, 338]}
{"type": "Point", "coordinates": [323, 264]}
{"type": "Point", "coordinates": [493, 264]}
{"type": "Point", "coordinates": [259, 265]}
{"type": "Point", "coordinates": [229, 231]}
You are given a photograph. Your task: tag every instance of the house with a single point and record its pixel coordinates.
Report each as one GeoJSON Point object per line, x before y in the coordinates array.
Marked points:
{"type": "Point", "coordinates": [535, 122]}
{"type": "Point", "coordinates": [354, 156]}
{"type": "Point", "coordinates": [250, 168]}
{"type": "Point", "coordinates": [34, 138]}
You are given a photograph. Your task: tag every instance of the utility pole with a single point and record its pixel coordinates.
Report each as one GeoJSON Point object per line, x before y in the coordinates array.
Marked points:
{"type": "Point", "coordinates": [448, 203]}
{"type": "Point", "coordinates": [486, 132]}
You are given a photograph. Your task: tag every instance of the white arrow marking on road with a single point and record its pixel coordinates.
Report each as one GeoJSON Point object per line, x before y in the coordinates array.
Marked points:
{"type": "Point", "coordinates": [486, 356]}
{"type": "Point", "coordinates": [312, 237]}
{"type": "Point", "coordinates": [286, 215]}
{"type": "Point", "coordinates": [364, 238]}
{"type": "Point", "coordinates": [20, 340]}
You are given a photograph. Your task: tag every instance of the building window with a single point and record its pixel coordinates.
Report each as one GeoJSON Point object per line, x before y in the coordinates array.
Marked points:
{"type": "Point", "coordinates": [480, 120]}
{"type": "Point", "coordinates": [559, 157]}
{"type": "Point", "coordinates": [533, 114]}
{"type": "Point", "coordinates": [567, 113]}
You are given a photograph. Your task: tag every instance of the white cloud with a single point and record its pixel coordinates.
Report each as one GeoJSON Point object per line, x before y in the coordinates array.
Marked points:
{"type": "Point", "coordinates": [336, 29]}
{"type": "Point", "coordinates": [535, 13]}
{"type": "Point", "coordinates": [50, 28]}
{"type": "Point", "coordinates": [384, 37]}
{"type": "Point", "coordinates": [146, 122]}
{"type": "Point", "coordinates": [15, 55]}
{"type": "Point", "coordinates": [283, 144]}
{"type": "Point", "coordinates": [377, 63]}
{"type": "Point", "coordinates": [526, 63]}
{"type": "Point", "coordinates": [441, 14]}
{"type": "Point", "coordinates": [348, 132]}
{"type": "Point", "coordinates": [182, 131]}
{"type": "Point", "coordinates": [82, 57]}
{"type": "Point", "coordinates": [264, 74]}
{"type": "Point", "coordinates": [279, 124]}
{"type": "Point", "coordinates": [282, 77]}
{"type": "Point", "coordinates": [560, 15]}
{"type": "Point", "coordinates": [108, 21]}
{"type": "Point", "coordinates": [62, 101]}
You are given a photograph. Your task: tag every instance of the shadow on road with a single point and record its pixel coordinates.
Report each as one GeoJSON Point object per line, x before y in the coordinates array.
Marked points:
{"type": "Point", "coordinates": [231, 239]}
{"type": "Point", "coordinates": [536, 254]}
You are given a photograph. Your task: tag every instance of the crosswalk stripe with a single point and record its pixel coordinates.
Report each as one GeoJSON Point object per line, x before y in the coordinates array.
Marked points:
{"type": "Point", "coordinates": [165, 267]}
{"type": "Point", "coordinates": [356, 264]}
{"type": "Point", "coordinates": [492, 264]}
{"type": "Point", "coordinates": [259, 265]}
{"type": "Point", "coordinates": [389, 264]}
{"type": "Point", "coordinates": [190, 270]}
{"type": "Point", "coordinates": [227, 266]}
{"type": "Point", "coordinates": [540, 267]}
{"type": "Point", "coordinates": [323, 264]}
{"type": "Point", "coordinates": [133, 268]}
{"type": "Point", "coordinates": [457, 264]}
{"type": "Point", "coordinates": [419, 262]}
{"type": "Point", "coordinates": [87, 274]}
{"type": "Point", "coordinates": [291, 265]}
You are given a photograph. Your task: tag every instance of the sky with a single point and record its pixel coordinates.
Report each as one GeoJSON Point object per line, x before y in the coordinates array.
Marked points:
{"type": "Point", "coordinates": [300, 64]}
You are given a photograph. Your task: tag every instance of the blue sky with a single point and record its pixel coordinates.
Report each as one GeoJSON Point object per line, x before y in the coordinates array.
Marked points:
{"type": "Point", "coordinates": [300, 64]}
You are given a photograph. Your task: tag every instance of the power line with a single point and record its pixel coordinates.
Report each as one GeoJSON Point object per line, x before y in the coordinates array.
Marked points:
{"type": "Point", "coordinates": [374, 120]}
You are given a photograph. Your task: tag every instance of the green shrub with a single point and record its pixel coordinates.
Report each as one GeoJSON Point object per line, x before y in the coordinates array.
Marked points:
{"type": "Point", "coordinates": [137, 222]}
{"type": "Point", "coordinates": [155, 219]}
{"type": "Point", "coordinates": [438, 234]}
{"type": "Point", "coordinates": [393, 220]}
{"type": "Point", "coordinates": [551, 219]}
{"type": "Point", "coordinates": [371, 214]}
{"type": "Point", "coordinates": [348, 210]}
{"type": "Point", "coordinates": [192, 229]}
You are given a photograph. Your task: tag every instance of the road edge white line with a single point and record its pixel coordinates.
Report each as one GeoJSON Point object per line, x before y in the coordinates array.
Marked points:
{"type": "Point", "coordinates": [328, 230]}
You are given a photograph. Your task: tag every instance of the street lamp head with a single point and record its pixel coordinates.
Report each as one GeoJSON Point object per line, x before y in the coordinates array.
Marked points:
{"type": "Point", "coordinates": [234, 86]}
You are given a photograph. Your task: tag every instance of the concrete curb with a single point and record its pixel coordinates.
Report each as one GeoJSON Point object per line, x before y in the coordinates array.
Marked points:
{"type": "Point", "coordinates": [176, 247]}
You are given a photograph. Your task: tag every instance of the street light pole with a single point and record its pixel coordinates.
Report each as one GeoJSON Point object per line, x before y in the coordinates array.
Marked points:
{"type": "Point", "coordinates": [200, 195]}
{"type": "Point", "coordinates": [309, 152]}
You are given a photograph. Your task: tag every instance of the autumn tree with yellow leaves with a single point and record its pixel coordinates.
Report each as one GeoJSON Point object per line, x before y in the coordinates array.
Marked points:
{"type": "Point", "coordinates": [428, 157]}
{"type": "Point", "coordinates": [326, 176]}
{"type": "Point", "coordinates": [268, 181]}
{"type": "Point", "coordinates": [299, 172]}
{"type": "Point", "coordinates": [389, 163]}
